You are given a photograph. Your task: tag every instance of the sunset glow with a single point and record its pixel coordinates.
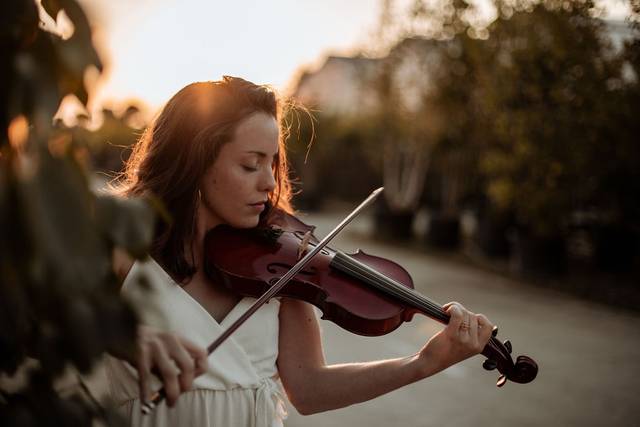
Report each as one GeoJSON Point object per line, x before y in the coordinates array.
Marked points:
{"type": "Point", "coordinates": [152, 48]}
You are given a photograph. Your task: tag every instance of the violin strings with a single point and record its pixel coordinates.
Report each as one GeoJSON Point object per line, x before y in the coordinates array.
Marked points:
{"type": "Point", "coordinates": [384, 283]}
{"type": "Point", "coordinates": [353, 271]}
{"type": "Point", "coordinates": [387, 285]}
{"type": "Point", "coordinates": [349, 265]}
{"type": "Point", "coordinates": [394, 284]}
{"type": "Point", "coordinates": [345, 266]}
{"type": "Point", "coordinates": [379, 279]}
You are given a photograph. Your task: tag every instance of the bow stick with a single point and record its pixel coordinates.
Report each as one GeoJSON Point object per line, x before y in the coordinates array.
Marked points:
{"type": "Point", "coordinates": [159, 395]}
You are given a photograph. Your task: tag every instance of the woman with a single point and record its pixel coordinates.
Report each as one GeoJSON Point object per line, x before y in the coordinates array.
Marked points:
{"type": "Point", "coordinates": [216, 155]}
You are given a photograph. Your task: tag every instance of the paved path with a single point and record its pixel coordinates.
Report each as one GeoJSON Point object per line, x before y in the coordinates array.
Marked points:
{"type": "Point", "coordinates": [589, 354]}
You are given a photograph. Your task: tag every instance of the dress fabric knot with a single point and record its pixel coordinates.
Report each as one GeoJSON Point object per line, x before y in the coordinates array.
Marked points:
{"type": "Point", "coordinates": [269, 403]}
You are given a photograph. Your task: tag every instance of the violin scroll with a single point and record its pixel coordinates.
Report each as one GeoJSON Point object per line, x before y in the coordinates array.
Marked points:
{"type": "Point", "coordinates": [498, 354]}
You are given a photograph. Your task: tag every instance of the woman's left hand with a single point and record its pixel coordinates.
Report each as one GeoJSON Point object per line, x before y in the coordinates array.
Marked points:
{"type": "Point", "coordinates": [466, 335]}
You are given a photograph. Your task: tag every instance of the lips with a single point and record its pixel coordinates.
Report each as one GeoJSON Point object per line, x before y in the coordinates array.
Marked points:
{"type": "Point", "coordinates": [260, 205]}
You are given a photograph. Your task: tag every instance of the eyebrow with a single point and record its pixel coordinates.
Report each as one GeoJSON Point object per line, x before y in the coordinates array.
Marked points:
{"type": "Point", "coordinates": [261, 154]}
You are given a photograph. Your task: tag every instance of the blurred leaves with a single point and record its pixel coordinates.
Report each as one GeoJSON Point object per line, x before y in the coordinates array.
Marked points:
{"type": "Point", "coordinates": [128, 223]}
{"type": "Point", "coordinates": [545, 90]}
{"type": "Point", "coordinates": [77, 53]}
{"type": "Point", "coordinates": [59, 300]}
{"type": "Point", "coordinates": [529, 110]}
{"type": "Point", "coordinates": [41, 68]}
{"type": "Point", "coordinates": [532, 116]}
{"type": "Point", "coordinates": [37, 405]}
{"type": "Point", "coordinates": [18, 23]}
{"type": "Point", "coordinates": [52, 7]}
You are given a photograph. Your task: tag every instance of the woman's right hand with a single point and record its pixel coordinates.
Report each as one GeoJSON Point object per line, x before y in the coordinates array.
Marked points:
{"type": "Point", "coordinates": [174, 359]}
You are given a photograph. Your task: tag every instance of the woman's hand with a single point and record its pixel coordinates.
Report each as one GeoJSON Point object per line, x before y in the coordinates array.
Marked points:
{"type": "Point", "coordinates": [466, 335]}
{"type": "Point", "coordinates": [174, 359]}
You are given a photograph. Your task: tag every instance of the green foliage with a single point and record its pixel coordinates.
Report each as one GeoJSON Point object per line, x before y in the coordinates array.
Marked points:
{"type": "Point", "coordinates": [110, 145]}
{"type": "Point", "coordinates": [458, 145]}
{"type": "Point", "coordinates": [535, 111]}
{"type": "Point", "coordinates": [433, 68]}
{"type": "Point", "coordinates": [549, 92]}
{"type": "Point", "coordinates": [59, 303]}
{"type": "Point", "coordinates": [323, 150]}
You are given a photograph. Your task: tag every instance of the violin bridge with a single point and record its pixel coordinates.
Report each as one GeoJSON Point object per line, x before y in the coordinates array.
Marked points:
{"type": "Point", "coordinates": [303, 248]}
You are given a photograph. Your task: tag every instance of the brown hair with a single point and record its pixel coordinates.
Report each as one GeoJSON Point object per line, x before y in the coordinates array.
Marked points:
{"type": "Point", "coordinates": [176, 150]}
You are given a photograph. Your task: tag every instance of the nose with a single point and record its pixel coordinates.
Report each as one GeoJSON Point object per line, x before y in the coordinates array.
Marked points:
{"type": "Point", "coordinates": [268, 183]}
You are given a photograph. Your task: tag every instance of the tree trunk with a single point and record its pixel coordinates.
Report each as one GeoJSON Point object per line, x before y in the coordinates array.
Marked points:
{"type": "Point", "coordinates": [615, 248]}
{"type": "Point", "coordinates": [491, 235]}
{"type": "Point", "coordinates": [443, 231]}
{"type": "Point", "coordinates": [392, 225]}
{"type": "Point", "coordinates": [404, 170]}
{"type": "Point", "coordinates": [539, 256]}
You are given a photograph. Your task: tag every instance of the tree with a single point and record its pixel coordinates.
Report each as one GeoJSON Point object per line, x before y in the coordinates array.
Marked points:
{"type": "Point", "coordinates": [543, 91]}
{"type": "Point", "coordinates": [59, 303]}
{"type": "Point", "coordinates": [427, 113]}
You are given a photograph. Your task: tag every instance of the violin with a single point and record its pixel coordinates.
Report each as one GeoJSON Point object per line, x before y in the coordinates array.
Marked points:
{"type": "Point", "coordinates": [364, 294]}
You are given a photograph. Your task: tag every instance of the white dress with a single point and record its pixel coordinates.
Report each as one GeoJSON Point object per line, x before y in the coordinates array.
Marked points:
{"type": "Point", "coordinates": [241, 386]}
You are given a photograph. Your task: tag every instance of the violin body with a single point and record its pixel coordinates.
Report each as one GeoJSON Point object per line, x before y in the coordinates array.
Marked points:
{"type": "Point", "coordinates": [342, 300]}
{"type": "Point", "coordinates": [364, 294]}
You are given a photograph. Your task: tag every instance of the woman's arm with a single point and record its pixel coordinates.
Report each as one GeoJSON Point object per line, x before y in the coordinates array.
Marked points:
{"type": "Point", "coordinates": [313, 387]}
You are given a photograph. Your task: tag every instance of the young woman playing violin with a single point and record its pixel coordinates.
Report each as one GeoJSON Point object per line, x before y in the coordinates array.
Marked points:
{"type": "Point", "coordinates": [216, 155]}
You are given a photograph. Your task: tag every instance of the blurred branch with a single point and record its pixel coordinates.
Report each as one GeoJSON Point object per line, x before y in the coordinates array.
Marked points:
{"type": "Point", "coordinates": [59, 300]}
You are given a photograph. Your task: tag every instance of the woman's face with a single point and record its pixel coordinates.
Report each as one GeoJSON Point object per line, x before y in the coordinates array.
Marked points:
{"type": "Point", "coordinates": [235, 188]}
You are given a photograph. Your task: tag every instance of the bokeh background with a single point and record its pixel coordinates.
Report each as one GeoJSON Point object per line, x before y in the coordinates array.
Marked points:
{"type": "Point", "coordinates": [505, 133]}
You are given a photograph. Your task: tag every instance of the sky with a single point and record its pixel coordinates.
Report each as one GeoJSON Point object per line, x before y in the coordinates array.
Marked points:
{"type": "Point", "coordinates": [152, 48]}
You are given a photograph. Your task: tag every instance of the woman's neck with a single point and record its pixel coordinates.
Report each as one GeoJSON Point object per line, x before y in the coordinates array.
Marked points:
{"type": "Point", "coordinates": [205, 221]}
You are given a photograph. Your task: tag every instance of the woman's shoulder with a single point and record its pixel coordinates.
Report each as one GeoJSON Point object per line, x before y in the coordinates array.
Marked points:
{"type": "Point", "coordinates": [122, 263]}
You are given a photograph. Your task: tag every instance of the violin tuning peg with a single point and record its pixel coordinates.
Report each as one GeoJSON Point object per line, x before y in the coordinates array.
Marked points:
{"type": "Point", "coordinates": [507, 344]}
{"type": "Point", "coordinates": [494, 332]}
{"type": "Point", "coordinates": [501, 381]}
{"type": "Point", "coordinates": [489, 365]}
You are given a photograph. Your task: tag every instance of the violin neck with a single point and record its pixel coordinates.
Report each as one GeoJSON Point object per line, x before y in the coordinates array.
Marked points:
{"type": "Point", "coordinates": [388, 286]}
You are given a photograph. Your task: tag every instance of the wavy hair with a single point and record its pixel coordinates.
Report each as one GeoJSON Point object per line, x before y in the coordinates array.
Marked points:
{"type": "Point", "coordinates": [175, 151]}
